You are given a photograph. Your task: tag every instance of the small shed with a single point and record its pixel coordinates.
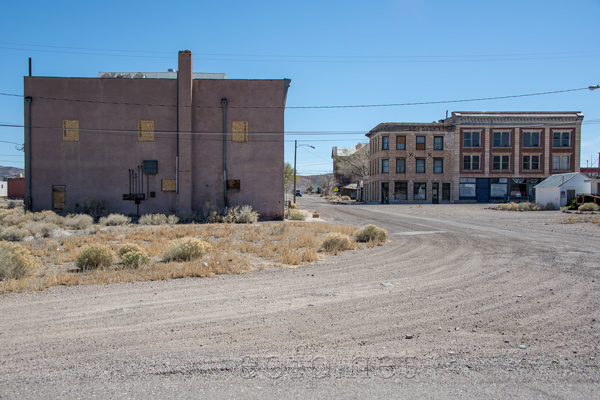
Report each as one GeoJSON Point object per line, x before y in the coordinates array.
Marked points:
{"type": "Point", "coordinates": [3, 189]}
{"type": "Point", "coordinates": [560, 189]}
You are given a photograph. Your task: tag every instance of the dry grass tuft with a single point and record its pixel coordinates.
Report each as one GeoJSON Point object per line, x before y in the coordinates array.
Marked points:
{"type": "Point", "coordinates": [115, 220]}
{"type": "Point", "coordinates": [588, 207]}
{"type": "Point", "coordinates": [16, 261]}
{"type": "Point", "coordinates": [371, 234]}
{"type": "Point", "coordinates": [94, 256]}
{"type": "Point", "coordinates": [186, 249]}
{"type": "Point", "coordinates": [336, 242]}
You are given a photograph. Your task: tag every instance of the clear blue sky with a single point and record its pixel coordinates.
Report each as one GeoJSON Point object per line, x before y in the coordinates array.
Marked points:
{"type": "Point", "coordinates": [336, 53]}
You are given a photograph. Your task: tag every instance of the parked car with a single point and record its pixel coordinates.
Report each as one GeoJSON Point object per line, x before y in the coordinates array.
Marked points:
{"type": "Point", "coordinates": [298, 193]}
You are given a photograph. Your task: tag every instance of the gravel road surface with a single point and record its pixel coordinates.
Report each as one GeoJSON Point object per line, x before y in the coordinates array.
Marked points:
{"type": "Point", "coordinates": [463, 302]}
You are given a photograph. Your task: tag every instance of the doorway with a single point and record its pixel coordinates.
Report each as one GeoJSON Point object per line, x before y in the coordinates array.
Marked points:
{"type": "Point", "coordinates": [385, 193]}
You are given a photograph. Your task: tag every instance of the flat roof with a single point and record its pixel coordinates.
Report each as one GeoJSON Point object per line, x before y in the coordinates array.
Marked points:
{"type": "Point", "coordinates": [160, 75]}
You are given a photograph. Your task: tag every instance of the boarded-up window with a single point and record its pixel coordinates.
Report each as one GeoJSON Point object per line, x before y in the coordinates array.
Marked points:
{"type": "Point", "coordinates": [70, 130]}
{"type": "Point", "coordinates": [58, 197]}
{"type": "Point", "coordinates": [168, 185]}
{"type": "Point", "coordinates": [240, 131]}
{"type": "Point", "coordinates": [233, 184]}
{"type": "Point", "coordinates": [145, 131]}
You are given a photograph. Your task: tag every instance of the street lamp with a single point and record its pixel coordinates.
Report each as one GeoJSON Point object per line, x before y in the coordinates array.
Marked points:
{"type": "Point", "coordinates": [295, 151]}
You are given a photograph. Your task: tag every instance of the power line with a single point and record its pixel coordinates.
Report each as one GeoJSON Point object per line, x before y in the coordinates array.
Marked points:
{"type": "Point", "coordinates": [315, 107]}
{"type": "Point", "coordinates": [306, 57]}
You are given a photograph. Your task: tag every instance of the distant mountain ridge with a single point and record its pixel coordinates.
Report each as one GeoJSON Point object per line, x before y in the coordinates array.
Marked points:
{"type": "Point", "coordinates": [10, 171]}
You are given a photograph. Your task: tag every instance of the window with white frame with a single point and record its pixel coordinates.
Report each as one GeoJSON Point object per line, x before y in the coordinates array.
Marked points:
{"type": "Point", "coordinates": [467, 187]}
{"type": "Point", "coordinates": [561, 139]}
{"type": "Point", "coordinates": [501, 139]}
{"type": "Point", "coordinates": [531, 163]}
{"type": "Point", "coordinates": [471, 162]}
{"type": "Point", "coordinates": [531, 139]}
{"type": "Point", "coordinates": [561, 163]}
{"type": "Point", "coordinates": [501, 163]}
{"type": "Point", "coordinates": [471, 139]}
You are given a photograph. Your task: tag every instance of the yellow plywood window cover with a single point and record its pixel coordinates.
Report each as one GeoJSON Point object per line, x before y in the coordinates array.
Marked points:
{"type": "Point", "coordinates": [145, 131]}
{"type": "Point", "coordinates": [70, 130]}
{"type": "Point", "coordinates": [240, 131]}
{"type": "Point", "coordinates": [168, 185]}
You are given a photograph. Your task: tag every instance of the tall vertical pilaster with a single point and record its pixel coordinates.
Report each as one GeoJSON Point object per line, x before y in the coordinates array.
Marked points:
{"type": "Point", "coordinates": [184, 134]}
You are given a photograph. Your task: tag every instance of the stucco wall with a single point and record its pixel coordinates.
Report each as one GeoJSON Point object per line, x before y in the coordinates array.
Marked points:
{"type": "Point", "coordinates": [108, 110]}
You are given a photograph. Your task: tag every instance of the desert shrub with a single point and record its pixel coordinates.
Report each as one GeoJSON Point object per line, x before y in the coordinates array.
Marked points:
{"type": "Point", "coordinates": [550, 206]}
{"type": "Point", "coordinates": [16, 217]}
{"type": "Point", "coordinates": [186, 249]}
{"type": "Point", "coordinates": [588, 207]}
{"type": "Point", "coordinates": [153, 219]}
{"type": "Point", "coordinates": [293, 205]}
{"type": "Point", "coordinates": [41, 229]}
{"type": "Point", "coordinates": [12, 204]}
{"type": "Point", "coordinates": [245, 215]}
{"type": "Point", "coordinates": [48, 216]}
{"type": "Point", "coordinates": [93, 256]}
{"type": "Point", "coordinates": [336, 242]}
{"type": "Point", "coordinates": [14, 234]}
{"type": "Point", "coordinates": [296, 215]}
{"type": "Point", "coordinates": [572, 205]}
{"type": "Point", "coordinates": [371, 233]}
{"type": "Point", "coordinates": [79, 221]}
{"type": "Point", "coordinates": [133, 255]}
{"type": "Point", "coordinates": [346, 198]}
{"type": "Point", "coordinates": [16, 261]}
{"type": "Point", "coordinates": [115, 220]}
{"type": "Point", "coordinates": [527, 206]}
{"type": "Point", "coordinates": [172, 219]}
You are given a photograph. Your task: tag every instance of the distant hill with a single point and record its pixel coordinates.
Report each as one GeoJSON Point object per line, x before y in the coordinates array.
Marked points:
{"type": "Point", "coordinates": [10, 171]}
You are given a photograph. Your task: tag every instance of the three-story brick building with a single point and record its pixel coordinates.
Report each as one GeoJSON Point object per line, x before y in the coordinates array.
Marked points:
{"type": "Point", "coordinates": [471, 156]}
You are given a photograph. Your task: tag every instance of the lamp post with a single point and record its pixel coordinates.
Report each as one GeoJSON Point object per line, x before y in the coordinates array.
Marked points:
{"type": "Point", "coordinates": [295, 151]}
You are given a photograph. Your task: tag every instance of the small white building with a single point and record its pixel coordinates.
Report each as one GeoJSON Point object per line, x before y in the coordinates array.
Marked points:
{"type": "Point", "coordinates": [560, 189]}
{"type": "Point", "coordinates": [3, 188]}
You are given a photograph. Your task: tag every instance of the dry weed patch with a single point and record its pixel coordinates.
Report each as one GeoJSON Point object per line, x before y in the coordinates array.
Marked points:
{"type": "Point", "coordinates": [98, 254]}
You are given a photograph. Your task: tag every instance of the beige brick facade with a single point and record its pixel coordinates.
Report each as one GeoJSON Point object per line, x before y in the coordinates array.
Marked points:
{"type": "Point", "coordinates": [484, 156]}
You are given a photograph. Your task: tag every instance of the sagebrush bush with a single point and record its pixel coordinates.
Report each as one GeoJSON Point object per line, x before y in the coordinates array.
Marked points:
{"type": "Point", "coordinates": [41, 228]}
{"type": "Point", "coordinates": [172, 219]}
{"type": "Point", "coordinates": [588, 207]}
{"type": "Point", "coordinates": [550, 206]}
{"type": "Point", "coordinates": [245, 215]}
{"type": "Point", "coordinates": [14, 234]}
{"type": "Point", "coordinates": [48, 216]}
{"type": "Point", "coordinates": [16, 261]}
{"type": "Point", "coordinates": [346, 198]}
{"type": "Point", "coordinates": [153, 219]}
{"type": "Point", "coordinates": [296, 215]}
{"type": "Point", "coordinates": [371, 233]}
{"type": "Point", "coordinates": [94, 256]}
{"type": "Point", "coordinates": [186, 249]}
{"type": "Point", "coordinates": [132, 255]}
{"type": "Point", "coordinates": [336, 242]}
{"type": "Point", "coordinates": [115, 220]}
{"type": "Point", "coordinates": [188, 217]}
{"type": "Point", "coordinates": [79, 221]}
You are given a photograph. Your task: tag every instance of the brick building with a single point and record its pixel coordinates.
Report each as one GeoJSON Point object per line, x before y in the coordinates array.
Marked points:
{"type": "Point", "coordinates": [471, 156]}
{"type": "Point", "coordinates": [170, 141]}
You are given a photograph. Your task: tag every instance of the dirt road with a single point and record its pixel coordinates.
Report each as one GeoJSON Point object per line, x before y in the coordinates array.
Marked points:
{"type": "Point", "coordinates": [462, 302]}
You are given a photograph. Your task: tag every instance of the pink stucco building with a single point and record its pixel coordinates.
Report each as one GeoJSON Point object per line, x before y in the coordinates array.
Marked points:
{"type": "Point", "coordinates": [172, 140]}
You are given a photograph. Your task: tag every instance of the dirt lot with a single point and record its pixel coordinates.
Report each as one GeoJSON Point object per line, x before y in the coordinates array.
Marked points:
{"type": "Point", "coordinates": [462, 302]}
